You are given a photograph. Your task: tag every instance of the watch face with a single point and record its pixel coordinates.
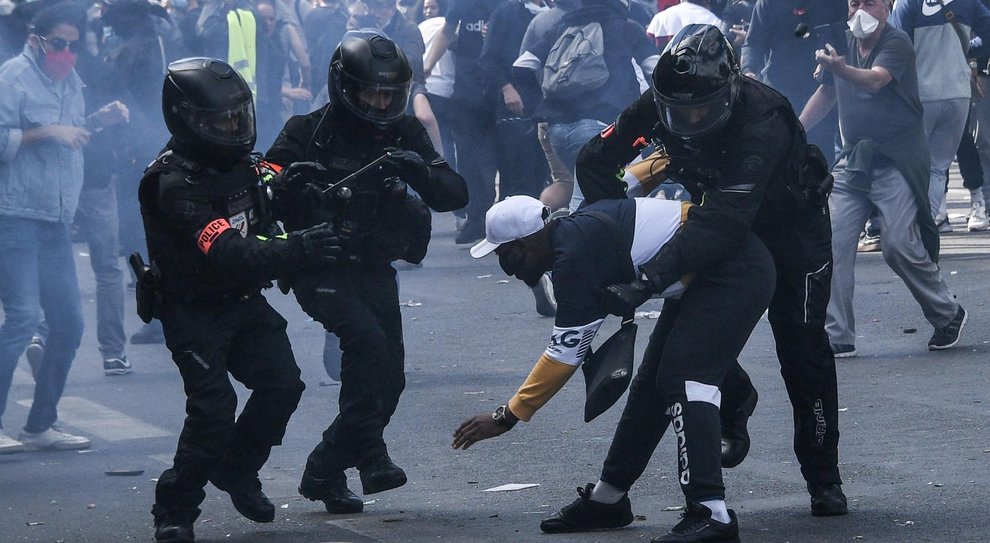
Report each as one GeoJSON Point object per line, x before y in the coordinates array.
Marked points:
{"type": "Point", "coordinates": [499, 414]}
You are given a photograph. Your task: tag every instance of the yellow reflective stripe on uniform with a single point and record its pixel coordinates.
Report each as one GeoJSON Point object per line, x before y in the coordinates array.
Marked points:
{"type": "Point", "coordinates": [242, 47]}
{"type": "Point", "coordinates": [266, 238]}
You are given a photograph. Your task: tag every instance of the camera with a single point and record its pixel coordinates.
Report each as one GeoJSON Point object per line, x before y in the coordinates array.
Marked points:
{"type": "Point", "coordinates": [833, 34]}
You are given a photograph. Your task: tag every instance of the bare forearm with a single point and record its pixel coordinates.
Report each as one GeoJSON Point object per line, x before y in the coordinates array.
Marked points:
{"type": "Point", "coordinates": [818, 106]}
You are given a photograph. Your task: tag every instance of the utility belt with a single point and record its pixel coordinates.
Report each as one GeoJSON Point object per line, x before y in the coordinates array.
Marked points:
{"type": "Point", "coordinates": [150, 291]}
{"type": "Point", "coordinates": [218, 298]}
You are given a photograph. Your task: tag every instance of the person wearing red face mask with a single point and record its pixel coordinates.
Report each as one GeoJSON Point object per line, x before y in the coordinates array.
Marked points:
{"type": "Point", "coordinates": [43, 128]}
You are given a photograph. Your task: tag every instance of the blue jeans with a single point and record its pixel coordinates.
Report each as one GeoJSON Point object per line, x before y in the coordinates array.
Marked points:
{"type": "Point", "coordinates": [37, 270]}
{"type": "Point", "coordinates": [97, 220]}
{"type": "Point", "coordinates": [567, 139]}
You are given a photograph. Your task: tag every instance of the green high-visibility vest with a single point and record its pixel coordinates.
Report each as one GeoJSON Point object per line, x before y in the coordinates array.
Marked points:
{"type": "Point", "coordinates": [241, 46]}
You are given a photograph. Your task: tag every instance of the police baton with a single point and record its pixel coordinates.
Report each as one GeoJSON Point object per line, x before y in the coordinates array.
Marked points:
{"type": "Point", "coordinates": [358, 173]}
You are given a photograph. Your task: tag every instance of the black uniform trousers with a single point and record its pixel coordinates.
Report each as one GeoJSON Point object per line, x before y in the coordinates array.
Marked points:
{"type": "Point", "coordinates": [803, 259]}
{"type": "Point", "coordinates": [474, 136]}
{"type": "Point", "coordinates": [247, 339]}
{"type": "Point", "coordinates": [361, 306]}
{"type": "Point", "coordinates": [695, 343]}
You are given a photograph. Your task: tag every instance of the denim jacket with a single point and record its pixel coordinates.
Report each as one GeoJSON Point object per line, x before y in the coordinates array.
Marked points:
{"type": "Point", "coordinates": [42, 180]}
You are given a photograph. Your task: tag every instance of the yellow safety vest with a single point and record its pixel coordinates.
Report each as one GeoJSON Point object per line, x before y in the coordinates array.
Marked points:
{"type": "Point", "coordinates": [241, 46]}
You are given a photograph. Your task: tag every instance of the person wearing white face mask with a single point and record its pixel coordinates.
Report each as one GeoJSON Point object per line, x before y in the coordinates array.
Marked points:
{"type": "Point", "coordinates": [884, 162]}
{"type": "Point", "coordinates": [941, 31]}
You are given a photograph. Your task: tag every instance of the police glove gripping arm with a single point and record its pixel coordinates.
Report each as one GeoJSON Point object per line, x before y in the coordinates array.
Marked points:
{"type": "Point", "coordinates": [622, 299]}
{"type": "Point", "coordinates": [316, 246]}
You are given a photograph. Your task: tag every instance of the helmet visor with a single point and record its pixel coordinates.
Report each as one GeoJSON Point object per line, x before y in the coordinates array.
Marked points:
{"type": "Point", "coordinates": [228, 126]}
{"type": "Point", "coordinates": [695, 118]}
{"type": "Point", "coordinates": [379, 103]}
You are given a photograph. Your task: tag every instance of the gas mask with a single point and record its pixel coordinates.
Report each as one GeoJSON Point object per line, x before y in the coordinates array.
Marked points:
{"type": "Point", "coordinates": [862, 24]}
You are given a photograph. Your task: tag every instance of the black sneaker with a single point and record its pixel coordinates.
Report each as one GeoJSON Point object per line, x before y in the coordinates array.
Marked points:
{"type": "Point", "coordinates": [116, 366]}
{"type": "Point", "coordinates": [246, 495]}
{"type": "Point", "coordinates": [827, 500]}
{"type": "Point", "coordinates": [697, 526]}
{"type": "Point", "coordinates": [735, 435]}
{"type": "Point", "coordinates": [584, 515]}
{"type": "Point", "coordinates": [380, 474]}
{"type": "Point", "coordinates": [333, 492]}
{"type": "Point", "coordinates": [948, 335]}
{"type": "Point", "coordinates": [843, 351]}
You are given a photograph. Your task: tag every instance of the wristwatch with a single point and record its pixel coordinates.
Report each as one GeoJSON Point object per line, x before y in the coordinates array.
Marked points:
{"type": "Point", "coordinates": [501, 419]}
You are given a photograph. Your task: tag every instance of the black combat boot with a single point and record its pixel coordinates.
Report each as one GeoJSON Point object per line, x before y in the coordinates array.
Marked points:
{"type": "Point", "coordinates": [827, 500]}
{"type": "Point", "coordinates": [379, 474]}
{"type": "Point", "coordinates": [332, 491]}
{"type": "Point", "coordinates": [246, 495]}
{"type": "Point", "coordinates": [174, 527]}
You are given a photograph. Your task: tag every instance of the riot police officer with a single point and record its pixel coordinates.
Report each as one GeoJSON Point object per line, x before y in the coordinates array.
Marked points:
{"type": "Point", "coordinates": [362, 152]}
{"type": "Point", "coordinates": [738, 148]}
{"type": "Point", "coordinates": [206, 214]}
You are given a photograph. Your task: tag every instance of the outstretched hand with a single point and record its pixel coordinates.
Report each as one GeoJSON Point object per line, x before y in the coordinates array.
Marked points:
{"type": "Point", "coordinates": [475, 429]}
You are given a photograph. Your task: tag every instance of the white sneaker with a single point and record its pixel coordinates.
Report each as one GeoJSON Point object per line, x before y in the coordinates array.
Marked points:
{"type": "Point", "coordinates": [978, 217]}
{"type": "Point", "coordinates": [52, 439]}
{"type": "Point", "coordinates": [9, 445]}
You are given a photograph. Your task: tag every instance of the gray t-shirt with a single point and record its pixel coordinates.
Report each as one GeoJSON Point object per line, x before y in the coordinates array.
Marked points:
{"type": "Point", "coordinates": [893, 110]}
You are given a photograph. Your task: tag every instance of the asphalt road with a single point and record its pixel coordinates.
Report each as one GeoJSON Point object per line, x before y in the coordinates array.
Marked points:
{"type": "Point", "coordinates": [915, 446]}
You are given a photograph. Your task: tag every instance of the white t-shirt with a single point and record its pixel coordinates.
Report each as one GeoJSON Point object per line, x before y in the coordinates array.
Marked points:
{"type": "Point", "coordinates": [671, 20]}
{"type": "Point", "coordinates": [441, 79]}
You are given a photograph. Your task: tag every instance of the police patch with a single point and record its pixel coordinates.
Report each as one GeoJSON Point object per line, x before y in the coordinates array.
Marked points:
{"type": "Point", "coordinates": [240, 222]}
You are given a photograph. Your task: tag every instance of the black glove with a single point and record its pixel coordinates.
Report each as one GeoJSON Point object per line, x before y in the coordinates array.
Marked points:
{"type": "Point", "coordinates": [298, 174]}
{"type": "Point", "coordinates": [318, 245]}
{"type": "Point", "coordinates": [623, 299]}
{"type": "Point", "coordinates": [406, 164]}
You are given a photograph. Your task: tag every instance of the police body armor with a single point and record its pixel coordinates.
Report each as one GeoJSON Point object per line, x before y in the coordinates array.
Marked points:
{"type": "Point", "coordinates": [241, 196]}
{"type": "Point", "coordinates": [376, 218]}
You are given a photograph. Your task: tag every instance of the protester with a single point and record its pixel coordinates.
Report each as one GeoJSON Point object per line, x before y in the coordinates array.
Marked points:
{"type": "Point", "coordinates": [43, 129]}
{"type": "Point", "coordinates": [715, 126]}
{"type": "Point", "coordinates": [883, 163]}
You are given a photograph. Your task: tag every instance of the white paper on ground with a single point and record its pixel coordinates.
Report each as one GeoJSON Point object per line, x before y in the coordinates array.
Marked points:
{"type": "Point", "coordinates": [510, 487]}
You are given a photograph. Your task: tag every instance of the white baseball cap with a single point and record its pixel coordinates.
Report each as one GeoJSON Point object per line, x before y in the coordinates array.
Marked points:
{"type": "Point", "coordinates": [513, 218]}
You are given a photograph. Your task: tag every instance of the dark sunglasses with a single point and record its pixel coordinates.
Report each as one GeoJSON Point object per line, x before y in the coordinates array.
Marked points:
{"type": "Point", "coordinates": [59, 44]}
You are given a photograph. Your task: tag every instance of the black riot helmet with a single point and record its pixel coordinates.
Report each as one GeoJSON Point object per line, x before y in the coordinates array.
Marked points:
{"type": "Point", "coordinates": [369, 79]}
{"type": "Point", "coordinates": [209, 110]}
{"type": "Point", "coordinates": [695, 82]}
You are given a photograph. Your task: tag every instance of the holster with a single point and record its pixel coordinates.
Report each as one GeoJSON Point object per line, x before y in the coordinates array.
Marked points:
{"type": "Point", "coordinates": [147, 288]}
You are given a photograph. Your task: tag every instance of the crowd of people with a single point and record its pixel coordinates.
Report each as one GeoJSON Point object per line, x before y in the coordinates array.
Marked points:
{"type": "Point", "coordinates": [308, 141]}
